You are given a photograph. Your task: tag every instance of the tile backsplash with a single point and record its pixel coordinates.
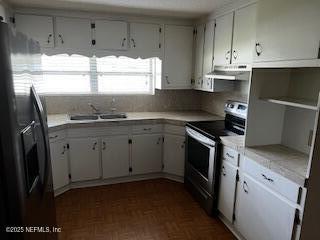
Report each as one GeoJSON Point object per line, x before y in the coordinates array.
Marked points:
{"type": "Point", "coordinates": [164, 100]}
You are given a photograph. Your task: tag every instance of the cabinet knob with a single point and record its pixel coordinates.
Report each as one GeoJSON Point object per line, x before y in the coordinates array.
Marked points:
{"type": "Point", "coordinates": [245, 187]}
{"type": "Point", "coordinates": [258, 49]}
{"type": "Point", "coordinates": [223, 171]}
{"type": "Point", "coordinates": [61, 39]}
{"type": "Point", "coordinates": [123, 42]}
{"type": "Point", "coordinates": [235, 54]}
{"type": "Point", "coordinates": [133, 42]}
{"type": "Point", "coordinates": [94, 146]}
{"type": "Point", "coordinates": [64, 150]}
{"type": "Point", "coordinates": [167, 79]}
{"type": "Point", "coordinates": [49, 38]}
{"type": "Point", "coordinates": [104, 145]}
{"type": "Point", "coordinates": [227, 55]}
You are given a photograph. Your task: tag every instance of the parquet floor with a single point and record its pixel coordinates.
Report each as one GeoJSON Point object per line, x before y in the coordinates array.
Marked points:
{"type": "Point", "coordinates": [144, 210]}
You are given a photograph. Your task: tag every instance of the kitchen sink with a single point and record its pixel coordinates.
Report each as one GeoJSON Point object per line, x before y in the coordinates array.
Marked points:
{"type": "Point", "coordinates": [84, 117]}
{"type": "Point", "coordinates": [113, 115]}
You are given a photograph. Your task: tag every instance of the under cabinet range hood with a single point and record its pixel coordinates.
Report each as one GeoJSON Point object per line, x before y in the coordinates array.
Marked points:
{"type": "Point", "coordinates": [240, 72]}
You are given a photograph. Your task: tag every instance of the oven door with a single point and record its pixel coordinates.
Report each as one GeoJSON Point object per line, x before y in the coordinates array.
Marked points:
{"type": "Point", "coordinates": [200, 157]}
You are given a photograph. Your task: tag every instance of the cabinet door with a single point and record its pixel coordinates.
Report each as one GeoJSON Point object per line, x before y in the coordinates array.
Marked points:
{"type": "Point", "coordinates": [287, 30]}
{"type": "Point", "coordinates": [60, 165]}
{"type": "Point", "coordinates": [39, 28]}
{"type": "Point", "coordinates": [262, 214]}
{"type": "Point", "coordinates": [227, 190]}
{"type": "Point", "coordinates": [111, 35]}
{"type": "Point", "coordinates": [84, 156]}
{"type": "Point", "coordinates": [223, 39]}
{"type": "Point", "coordinates": [208, 48]}
{"type": "Point", "coordinates": [145, 37]}
{"type": "Point", "coordinates": [146, 153]}
{"type": "Point", "coordinates": [73, 33]}
{"type": "Point", "coordinates": [177, 62]}
{"type": "Point", "coordinates": [199, 46]}
{"type": "Point", "coordinates": [174, 152]}
{"type": "Point", "coordinates": [244, 33]}
{"type": "Point", "coordinates": [115, 156]}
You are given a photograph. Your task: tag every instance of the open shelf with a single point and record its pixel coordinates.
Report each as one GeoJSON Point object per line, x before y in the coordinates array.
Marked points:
{"type": "Point", "coordinates": [293, 102]}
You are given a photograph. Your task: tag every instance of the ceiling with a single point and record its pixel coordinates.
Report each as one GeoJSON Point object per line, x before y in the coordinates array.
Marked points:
{"type": "Point", "coordinates": [174, 8]}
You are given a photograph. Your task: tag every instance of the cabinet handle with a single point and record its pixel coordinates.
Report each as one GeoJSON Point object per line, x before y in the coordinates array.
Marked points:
{"type": "Point", "coordinates": [133, 42]}
{"type": "Point", "coordinates": [94, 146]}
{"type": "Point", "coordinates": [245, 187]}
{"type": "Point", "coordinates": [230, 156]}
{"type": "Point", "coordinates": [123, 41]}
{"type": "Point", "coordinates": [235, 54]}
{"type": "Point", "coordinates": [64, 150]}
{"type": "Point", "coordinates": [49, 38]}
{"type": "Point", "coordinates": [182, 145]}
{"type": "Point", "coordinates": [159, 140]}
{"type": "Point", "coordinates": [147, 129]}
{"type": "Point", "coordinates": [167, 79]}
{"type": "Point", "coordinates": [266, 178]}
{"type": "Point", "coordinates": [228, 55]}
{"type": "Point", "coordinates": [223, 171]}
{"type": "Point", "coordinates": [61, 39]}
{"type": "Point", "coordinates": [53, 137]}
{"type": "Point", "coordinates": [104, 145]}
{"type": "Point", "coordinates": [258, 49]}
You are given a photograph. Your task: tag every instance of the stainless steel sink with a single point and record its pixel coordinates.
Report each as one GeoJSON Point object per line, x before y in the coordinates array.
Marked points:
{"type": "Point", "coordinates": [113, 115]}
{"type": "Point", "coordinates": [84, 117]}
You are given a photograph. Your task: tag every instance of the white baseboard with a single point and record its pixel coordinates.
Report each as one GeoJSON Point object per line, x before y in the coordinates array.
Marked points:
{"type": "Point", "coordinates": [132, 178]}
{"type": "Point", "coordinates": [231, 227]}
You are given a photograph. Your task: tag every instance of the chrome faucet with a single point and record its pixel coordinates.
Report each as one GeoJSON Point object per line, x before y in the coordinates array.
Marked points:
{"type": "Point", "coordinates": [112, 107]}
{"type": "Point", "coordinates": [95, 110]}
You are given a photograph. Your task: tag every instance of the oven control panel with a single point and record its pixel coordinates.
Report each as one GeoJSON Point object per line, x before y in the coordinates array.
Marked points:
{"type": "Point", "coordinates": [235, 108]}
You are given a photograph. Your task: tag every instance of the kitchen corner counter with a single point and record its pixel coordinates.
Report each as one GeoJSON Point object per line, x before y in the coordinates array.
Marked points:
{"type": "Point", "coordinates": [62, 121]}
{"type": "Point", "coordinates": [235, 142]}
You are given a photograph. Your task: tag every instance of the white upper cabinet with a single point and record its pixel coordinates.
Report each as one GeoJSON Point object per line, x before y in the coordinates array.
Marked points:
{"type": "Point", "coordinates": [208, 47]}
{"type": "Point", "coordinates": [174, 152]}
{"type": "Point", "coordinates": [84, 156]}
{"type": "Point", "coordinates": [244, 35]}
{"type": "Point", "coordinates": [115, 156]}
{"type": "Point", "coordinates": [287, 30]}
{"type": "Point", "coordinates": [111, 35]}
{"type": "Point", "coordinates": [223, 39]}
{"type": "Point", "coordinates": [177, 64]}
{"type": "Point", "coordinates": [199, 46]}
{"type": "Point", "coordinates": [40, 28]}
{"type": "Point", "coordinates": [73, 33]}
{"type": "Point", "coordinates": [145, 37]}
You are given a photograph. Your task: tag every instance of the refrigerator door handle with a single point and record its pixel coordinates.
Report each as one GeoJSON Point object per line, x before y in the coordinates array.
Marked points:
{"type": "Point", "coordinates": [39, 108]}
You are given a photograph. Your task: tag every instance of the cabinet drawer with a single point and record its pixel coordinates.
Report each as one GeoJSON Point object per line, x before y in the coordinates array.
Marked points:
{"type": "Point", "coordinates": [172, 129]}
{"type": "Point", "coordinates": [97, 132]}
{"type": "Point", "coordinates": [55, 136]}
{"type": "Point", "coordinates": [230, 155]}
{"type": "Point", "coordinates": [141, 129]}
{"type": "Point", "coordinates": [274, 181]}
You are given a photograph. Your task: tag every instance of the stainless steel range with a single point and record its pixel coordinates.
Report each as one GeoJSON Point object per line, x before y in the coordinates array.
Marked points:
{"type": "Point", "coordinates": [203, 153]}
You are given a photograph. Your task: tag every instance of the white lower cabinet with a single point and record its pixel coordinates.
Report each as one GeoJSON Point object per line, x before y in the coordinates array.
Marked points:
{"type": "Point", "coordinates": [228, 181]}
{"type": "Point", "coordinates": [84, 156]}
{"type": "Point", "coordinates": [146, 153]}
{"type": "Point", "coordinates": [262, 214]}
{"type": "Point", "coordinates": [60, 164]}
{"type": "Point", "coordinates": [115, 156]}
{"type": "Point", "coordinates": [173, 154]}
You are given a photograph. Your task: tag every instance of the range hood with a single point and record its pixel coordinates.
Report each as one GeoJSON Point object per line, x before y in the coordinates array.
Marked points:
{"type": "Point", "coordinates": [240, 72]}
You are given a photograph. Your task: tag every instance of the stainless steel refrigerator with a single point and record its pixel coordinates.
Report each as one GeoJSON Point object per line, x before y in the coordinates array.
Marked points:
{"type": "Point", "coordinates": [26, 192]}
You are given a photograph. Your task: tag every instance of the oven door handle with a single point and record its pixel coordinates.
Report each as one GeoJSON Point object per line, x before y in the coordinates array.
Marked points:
{"type": "Point", "coordinates": [197, 136]}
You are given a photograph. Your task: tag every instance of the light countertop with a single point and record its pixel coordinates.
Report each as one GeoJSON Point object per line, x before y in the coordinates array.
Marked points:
{"type": "Point", "coordinates": [62, 121]}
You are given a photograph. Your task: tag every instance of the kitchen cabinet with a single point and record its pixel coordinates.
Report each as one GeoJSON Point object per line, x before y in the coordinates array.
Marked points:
{"type": "Point", "coordinates": [73, 33]}
{"type": "Point", "coordinates": [199, 47]}
{"type": "Point", "coordinates": [173, 154]}
{"type": "Point", "coordinates": [228, 182]}
{"type": "Point", "coordinates": [84, 154]}
{"type": "Point", "coordinates": [177, 63]}
{"type": "Point", "coordinates": [115, 156]}
{"type": "Point", "coordinates": [146, 153]}
{"type": "Point", "coordinates": [208, 54]}
{"type": "Point", "coordinates": [40, 28]}
{"type": "Point", "coordinates": [223, 39]}
{"type": "Point", "coordinates": [60, 163]}
{"type": "Point", "coordinates": [244, 35]}
{"type": "Point", "coordinates": [145, 37]}
{"type": "Point", "coordinates": [263, 214]}
{"type": "Point", "coordinates": [287, 30]}
{"type": "Point", "coordinates": [111, 35]}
